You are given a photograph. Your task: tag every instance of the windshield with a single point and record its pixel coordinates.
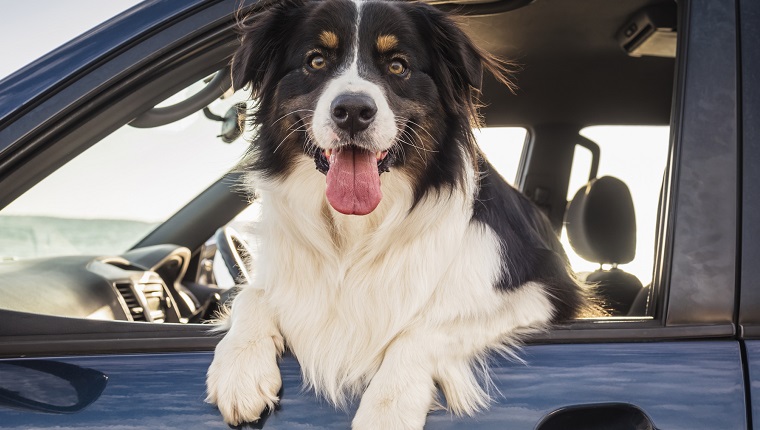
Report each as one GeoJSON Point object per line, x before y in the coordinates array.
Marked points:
{"type": "Point", "coordinates": [109, 197]}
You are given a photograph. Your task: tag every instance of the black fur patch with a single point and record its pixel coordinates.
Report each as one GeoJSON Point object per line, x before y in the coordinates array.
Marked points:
{"type": "Point", "coordinates": [530, 249]}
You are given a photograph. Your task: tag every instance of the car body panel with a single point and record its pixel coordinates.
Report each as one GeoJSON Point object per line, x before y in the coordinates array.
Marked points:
{"type": "Point", "coordinates": [702, 266]}
{"type": "Point", "coordinates": [752, 348]}
{"type": "Point", "coordinates": [680, 385]}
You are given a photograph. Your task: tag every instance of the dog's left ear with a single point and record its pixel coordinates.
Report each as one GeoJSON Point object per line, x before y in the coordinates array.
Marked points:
{"type": "Point", "coordinates": [459, 63]}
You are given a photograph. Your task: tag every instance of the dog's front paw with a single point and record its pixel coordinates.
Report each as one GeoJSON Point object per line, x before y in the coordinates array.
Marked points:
{"type": "Point", "coordinates": [386, 417]}
{"type": "Point", "coordinates": [390, 403]}
{"type": "Point", "coordinates": [244, 379]}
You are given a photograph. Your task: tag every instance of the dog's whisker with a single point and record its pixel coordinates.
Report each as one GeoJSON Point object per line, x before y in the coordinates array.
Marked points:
{"type": "Point", "coordinates": [419, 148]}
{"type": "Point", "coordinates": [287, 136]}
{"type": "Point", "coordinates": [421, 151]}
{"type": "Point", "coordinates": [291, 113]}
{"type": "Point", "coordinates": [406, 123]}
{"type": "Point", "coordinates": [409, 142]}
{"type": "Point", "coordinates": [419, 138]}
{"type": "Point", "coordinates": [400, 149]}
{"type": "Point", "coordinates": [423, 129]}
{"type": "Point", "coordinates": [308, 146]}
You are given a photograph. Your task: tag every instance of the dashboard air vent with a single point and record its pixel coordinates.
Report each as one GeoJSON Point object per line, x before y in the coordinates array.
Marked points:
{"type": "Point", "coordinates": [134, 306]}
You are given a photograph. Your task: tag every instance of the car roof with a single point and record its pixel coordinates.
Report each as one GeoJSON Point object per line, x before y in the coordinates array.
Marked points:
{"type": "Point", "coordinates": [572, 69]}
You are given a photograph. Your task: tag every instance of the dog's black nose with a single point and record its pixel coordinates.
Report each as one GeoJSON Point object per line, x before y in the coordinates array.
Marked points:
{"type": "Point", "coordinates": [353, 112]}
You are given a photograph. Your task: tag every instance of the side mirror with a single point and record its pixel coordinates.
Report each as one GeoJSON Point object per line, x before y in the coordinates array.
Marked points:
{"type": "Point", "coordinates": [233, 121]}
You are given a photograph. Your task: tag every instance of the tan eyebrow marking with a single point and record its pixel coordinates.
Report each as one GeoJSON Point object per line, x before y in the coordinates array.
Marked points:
{"type": "Point", "coordinates": [329, 39]}
{"type": "Point", "coordinates": [386, 42]}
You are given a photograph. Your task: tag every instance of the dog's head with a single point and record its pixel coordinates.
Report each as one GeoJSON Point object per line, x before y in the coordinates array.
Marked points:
{"type": "Point", "coordinates": [362, 88]}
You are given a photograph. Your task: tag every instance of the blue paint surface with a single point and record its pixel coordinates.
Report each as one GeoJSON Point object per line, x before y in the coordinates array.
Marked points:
{"type": "Point", "coordinates": [753, 365]}
{"type": "Point", "coordinates": [680, 385]}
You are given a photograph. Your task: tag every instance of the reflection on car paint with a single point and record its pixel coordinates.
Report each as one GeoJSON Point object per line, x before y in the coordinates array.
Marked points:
{"type": "Point", "coordinates": [680, 385]}
{"type": "Point", "coordinates": [49, 386]}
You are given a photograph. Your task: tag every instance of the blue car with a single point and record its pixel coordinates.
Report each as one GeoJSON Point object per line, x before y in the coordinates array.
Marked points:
{"type": "Point", "coordinates": [634, 127]}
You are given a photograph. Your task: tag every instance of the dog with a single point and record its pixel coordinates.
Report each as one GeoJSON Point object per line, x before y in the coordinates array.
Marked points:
{"type": "Point", "coordinates": [393, 258]}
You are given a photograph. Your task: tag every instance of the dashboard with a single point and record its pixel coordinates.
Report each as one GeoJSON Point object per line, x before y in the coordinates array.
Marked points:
{"type": "Point", "coordinates": [144, 285]}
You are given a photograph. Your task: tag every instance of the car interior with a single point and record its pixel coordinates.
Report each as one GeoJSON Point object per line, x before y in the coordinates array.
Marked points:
{"type": "Point", "coordinates": [585, 68]}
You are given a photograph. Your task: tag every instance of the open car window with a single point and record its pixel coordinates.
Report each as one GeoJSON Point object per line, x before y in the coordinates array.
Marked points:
{"type": "Point", "coordinates": [132, 198]}
{"type": "Point", "coordinates": [105, 200]}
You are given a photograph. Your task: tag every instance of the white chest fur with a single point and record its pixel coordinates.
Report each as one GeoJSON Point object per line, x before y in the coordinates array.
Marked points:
{"type": "Point", "coordinates": [384, 306]}
{"type": "Point", "coordinates": [343, 288]}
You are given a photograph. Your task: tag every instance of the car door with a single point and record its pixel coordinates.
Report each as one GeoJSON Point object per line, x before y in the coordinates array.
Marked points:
{"type": "Point", "coordinates": [679, 368]}
{"type": "Point", "coordinates": [597, 374]}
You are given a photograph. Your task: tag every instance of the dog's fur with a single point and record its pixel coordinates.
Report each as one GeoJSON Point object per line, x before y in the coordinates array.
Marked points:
{"type": "Point", "coordinates": [452, 264]}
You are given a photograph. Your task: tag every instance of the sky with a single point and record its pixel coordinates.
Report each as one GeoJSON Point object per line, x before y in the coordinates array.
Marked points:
{"type": "Point", "coordinates": [30, 29]}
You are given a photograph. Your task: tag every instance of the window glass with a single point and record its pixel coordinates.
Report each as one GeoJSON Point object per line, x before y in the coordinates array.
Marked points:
{"type": "Point", "coordinates": [637, 156]}
{"type": "Point", "coordinates": [109, 197]}
{"type": "Point", "coordinates": [580, 171]}
{"type": "Point", "coordinates": [503, 146]}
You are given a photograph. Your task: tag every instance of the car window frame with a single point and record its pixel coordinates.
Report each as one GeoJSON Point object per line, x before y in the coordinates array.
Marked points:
{"type": "Point", "coordinates": [103, 94]}
{"type": "Point", "coordinates": [749, 93]}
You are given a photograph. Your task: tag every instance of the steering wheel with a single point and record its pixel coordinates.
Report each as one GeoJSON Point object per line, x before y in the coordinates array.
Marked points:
{"type": "Point", "coordinates": [235, 253]}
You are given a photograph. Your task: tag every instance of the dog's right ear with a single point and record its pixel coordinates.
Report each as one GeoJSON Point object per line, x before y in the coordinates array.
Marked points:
{"type": "Point", "coordinates": [264, 35]}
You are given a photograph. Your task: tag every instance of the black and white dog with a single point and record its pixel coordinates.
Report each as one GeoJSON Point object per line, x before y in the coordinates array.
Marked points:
{"type": "Point", "coordinates": [393, 258]}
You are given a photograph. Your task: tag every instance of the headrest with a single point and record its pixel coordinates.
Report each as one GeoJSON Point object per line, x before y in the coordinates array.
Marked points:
{"type": "Point", "coordinates": [601, 222]}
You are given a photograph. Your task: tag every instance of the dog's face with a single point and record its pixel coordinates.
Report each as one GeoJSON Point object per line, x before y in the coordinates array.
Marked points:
{"type": "Point", "coordinates": [362, 88]}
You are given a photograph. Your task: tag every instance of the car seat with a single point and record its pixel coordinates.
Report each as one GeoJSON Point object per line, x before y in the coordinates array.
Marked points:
{"type": "Point", "coordinates": [601, 227]}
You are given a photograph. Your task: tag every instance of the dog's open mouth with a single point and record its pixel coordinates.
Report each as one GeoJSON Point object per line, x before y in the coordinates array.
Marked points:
{"type": "Point", "coordinates": [353, 178]}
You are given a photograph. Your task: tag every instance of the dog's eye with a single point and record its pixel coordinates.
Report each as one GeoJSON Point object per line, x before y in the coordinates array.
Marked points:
{"type": "Point", "coordinates": [398, 68]}
{"type": "Point", "coordinates": [317, 61]}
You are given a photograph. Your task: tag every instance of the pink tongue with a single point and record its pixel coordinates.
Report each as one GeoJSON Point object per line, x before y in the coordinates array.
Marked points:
{"type": "Point", "coordinates": [353, 182]}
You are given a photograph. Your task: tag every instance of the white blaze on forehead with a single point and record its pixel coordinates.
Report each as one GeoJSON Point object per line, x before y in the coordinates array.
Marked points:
{"type": "Point", "coordinates": [381, 134]}
{"type": "Point", "coordinates": [355, 59]}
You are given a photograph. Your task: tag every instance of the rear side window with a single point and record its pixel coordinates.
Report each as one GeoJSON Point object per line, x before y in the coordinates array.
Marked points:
{"type": "Point", "coordinates": [637, 155]}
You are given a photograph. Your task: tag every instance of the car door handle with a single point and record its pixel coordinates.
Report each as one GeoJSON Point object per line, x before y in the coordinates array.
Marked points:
{"type": "Point", "coordinates": [597, 416]}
